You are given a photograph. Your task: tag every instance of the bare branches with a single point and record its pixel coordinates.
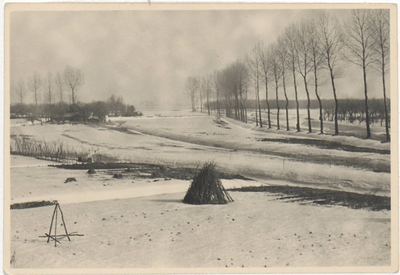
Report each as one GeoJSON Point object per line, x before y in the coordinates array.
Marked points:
{"type": "Point", "coordinates": [20, 90]}
{"type": "Point", "coordinates": [358, 38]}
{"type": "Point", "coordinates": [331, 39]}
{"type": "Point", "coordinates": [314, 48]}
{"type": "Point", "coordinates": [302, 42]}
{"type": "Point", "coordinates": [380, 35]}
{"type": "Point", "coordinates": [59, 83]}
{"type": "Point", "coordinates": [255, 67]}
{"type": "Point", "coordinates": [73, 78]}
{"type": "Point", "coordinates": [192, 85]}
{"type": "Point", "coordinates": [359, 42]}
{"type": "Point", "coordinates": [49, 85]}
{"type": "Point", "coordinates": [34, 84]}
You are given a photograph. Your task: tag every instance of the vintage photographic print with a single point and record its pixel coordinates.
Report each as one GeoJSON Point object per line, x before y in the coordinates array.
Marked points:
{"type": "Point", "coordinates": [200, 138]}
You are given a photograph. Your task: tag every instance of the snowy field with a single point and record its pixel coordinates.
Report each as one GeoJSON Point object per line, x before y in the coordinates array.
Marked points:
{"type": "Point", "coordinates": [140, 222]}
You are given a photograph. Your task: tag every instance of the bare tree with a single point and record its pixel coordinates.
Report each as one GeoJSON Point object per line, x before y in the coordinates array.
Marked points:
{"type": "Point", "coordinates": [283, 56]}
{"type": "Point", "coordinates": [49, 85]}
{"type": "Point", "coordinates": [73, 78]}
{"type": "Point", "coordinates": [380, 33]}
{"type": "Point", "coordinates": [276, 71]}
{"type": "Point", "coordinates": [316, 60]}
{"type": "Point", "coordinates": [34, 85]}
{"type": "Point", "coordinates": [217, 87]}
{"type": "Point", "coordinates": [192, 85]}
{"type": "Point", "coordinates": [304, 63]}
{"type": "Point", "coordinates": [254, 65]}
{"type": "Point", "coordinates": [331, 38]}
{"type": "Point", "coordinates": [359, 44]}
{"type": "Point", "coordinates": [202, 91]}
{"type": "Point", "coordinates": [233, 85]}
{"type": "Point", "coordinates": [290, 39]}
{"type": "Point", "coordinates": [265, 66]}
{"type": "Point", "coordinates": [208, 90]}
{"type": "Point", "coordinates": [20, 91]}
{"type": "Point", "coordinates": [225, 81]}
{"type": "Point", "coordinates": [59, 83]}
{"type": "Point", "coordinates": [241, 76]}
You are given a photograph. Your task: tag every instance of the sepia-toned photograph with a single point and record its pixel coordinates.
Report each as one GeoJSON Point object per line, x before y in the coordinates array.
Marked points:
{"type": "Point", "coordinates": [200, 138]}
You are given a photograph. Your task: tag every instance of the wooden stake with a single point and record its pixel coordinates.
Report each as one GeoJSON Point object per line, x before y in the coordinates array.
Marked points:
{"type": "Point", "coordinates": [54, 221]}
{"type": "Point", "coordinates": [55, 229]}
{"type": "Point", "coordinates": [47, 235]}
{"type": "Point", "coordinates": [51, 224]}
{"type": "Point", "coordinates": [62, 217]}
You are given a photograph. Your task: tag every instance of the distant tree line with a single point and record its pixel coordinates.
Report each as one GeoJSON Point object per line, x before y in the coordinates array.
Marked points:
{"type": "Point", "coordinates": [349, 109]}
{"type": "Point", "coordinates": [300, 56]}
{"type": "Point", "coordinates": [85, 112]}
{"type": "Point", "coordinates": [55, 106]}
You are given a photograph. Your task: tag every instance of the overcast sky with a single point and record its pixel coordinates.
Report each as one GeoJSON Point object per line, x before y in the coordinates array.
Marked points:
{"type": "Point", "coordinates": [148, 55]}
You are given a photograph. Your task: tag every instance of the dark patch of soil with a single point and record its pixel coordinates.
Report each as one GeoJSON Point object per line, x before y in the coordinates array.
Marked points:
{"type": "Point", "coordinates": [220, 123]}
{"type": "Point", "coordinates": [30, 204]}
{"type": "Point", "coordinates": [323, 197]}
{"type": "Point", "coordinates": [122, 129]}
{"type": "Point", "coordinates": [118, 176]}
{"type": "Point", "coordinates": [69, 180]}
{"type": "Point", "coordinates": [91, 171]}
{"type": "Point", "coordinates": [143, 170]}
{"type": "Point", "coordinates": [325, 144]}
{"type": "Point", "coordinates": [375, 165]}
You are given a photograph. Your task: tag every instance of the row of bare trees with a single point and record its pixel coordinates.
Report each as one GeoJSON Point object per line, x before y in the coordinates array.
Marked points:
{"type": "Point", "coordinates": [227, 88]}
{"type": "Point", "coordinates": [313, 51]}
{"type": "Point", "coordinates": [69, 79]}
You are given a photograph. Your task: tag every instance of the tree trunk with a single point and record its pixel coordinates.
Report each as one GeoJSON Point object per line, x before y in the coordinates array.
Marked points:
{"type": "Point", "coordinates": [297, 99]}
{"type": "Point", "coordinates": [308, 104]}
{"type": "Point", "coordinates": [384, 100]}
{"type": "Point", "coordinates": [277, 105]}
{"type": "Point", "coordinates": [319, 99]}
{"type": "Point", "coordinates": [73, 96]}
{"type": "Point", "coordinates": [208, 103]}
{"type": "Point", "coordinates": [245, 112]}
{"type": "Point", "coordinates": [218, 106]}
{"type": "Point", "coordinates": [268, 108]}
{"type": "Point", "coordinates": [258, 101]}
{"type": "Point", "coordinates": [36, 98]}
{"type": "Point", "coordinates": [335, 97]}
{"type": "Point", "coordinates": [49, 96]}
{"type": "Point", "coordinates": [192, 97]}
{"type": "Point", "coordinates": [201, 103]}
{"type": "Point", "coordinates": [366, 100]}
{"type": "Point", "coordinates": [287, 102]}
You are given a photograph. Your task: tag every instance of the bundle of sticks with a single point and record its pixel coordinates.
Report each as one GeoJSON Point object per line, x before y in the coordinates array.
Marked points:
{"type": "Point", "coordinates": [207, 188]}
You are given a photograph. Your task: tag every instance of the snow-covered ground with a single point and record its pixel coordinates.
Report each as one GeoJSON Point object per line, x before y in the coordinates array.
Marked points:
{"type": "Point", "coordinates": [160, 231]}
{"type": "Point", "coordinates": [190, 140]}
{"type": "Point", "coordinates": [142, 223]}
{"type": "Point", "coordinates": [36, 181]}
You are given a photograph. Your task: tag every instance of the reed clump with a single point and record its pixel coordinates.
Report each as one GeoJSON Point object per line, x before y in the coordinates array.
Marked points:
{"type": "Point", "coordinates": [49, 150]}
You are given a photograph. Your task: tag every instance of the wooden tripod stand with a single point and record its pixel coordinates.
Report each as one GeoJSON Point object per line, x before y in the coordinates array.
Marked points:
{"type": "Point", "coordinates": [57, 209]}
